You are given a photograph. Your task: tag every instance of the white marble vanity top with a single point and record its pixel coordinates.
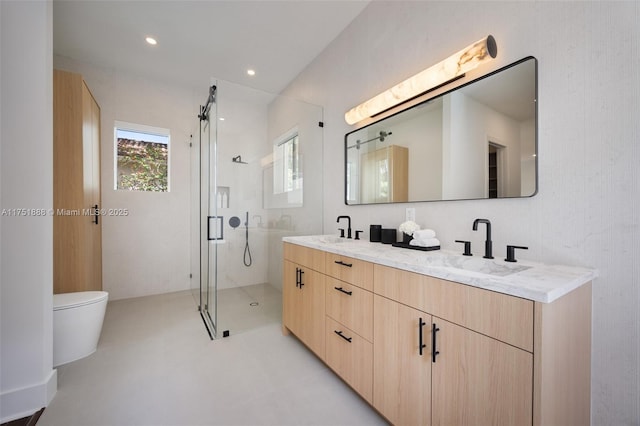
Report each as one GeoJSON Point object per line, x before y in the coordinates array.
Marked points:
{"type": "Point", "coordinates": [529, 280]}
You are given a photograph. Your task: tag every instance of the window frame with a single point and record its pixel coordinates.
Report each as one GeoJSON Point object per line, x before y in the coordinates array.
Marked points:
{"type": "Point", "coordinates": [145, 129]}
{"type": "Point", "coordinates": [279, 151]}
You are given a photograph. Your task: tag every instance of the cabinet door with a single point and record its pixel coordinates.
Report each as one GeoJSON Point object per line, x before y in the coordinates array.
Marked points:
{"type": "Point", "coordinates": [303, 305]}
{"type": "Point", "coordinates": [402, 370]}
{"type": "Point", "coordinates": [92, 224]}
{"type": "Point", "coordinates": [478, 380]}
{"type": "Point", "coordinates": [313, 310]}
{"type": "Point", "coordinates": [291, 298]}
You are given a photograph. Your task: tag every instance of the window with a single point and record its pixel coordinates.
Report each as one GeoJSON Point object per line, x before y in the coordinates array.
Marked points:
{"type": "Point", "coordinates": [142, 158]}
{"type": "Point", "coordinates": [287, 176]}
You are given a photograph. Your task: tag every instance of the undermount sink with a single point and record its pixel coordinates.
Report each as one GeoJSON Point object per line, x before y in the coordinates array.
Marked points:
{"type": "Point", "coordinates": [484, 266]}
{"type": "Point", "coordinates": [330, 239]}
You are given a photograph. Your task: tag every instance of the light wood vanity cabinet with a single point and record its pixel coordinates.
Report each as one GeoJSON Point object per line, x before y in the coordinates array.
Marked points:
{"type": "Point", "coordinates": [77, 235]}
{"type": "Point", "coordinates": [303, 292]}
{"type": "Point", "coordinates": [469, 378]}
{"type": "Point", "coordinates": [426, 351]}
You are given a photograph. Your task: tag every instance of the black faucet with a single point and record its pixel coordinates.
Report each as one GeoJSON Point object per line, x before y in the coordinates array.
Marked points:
{"type": "Point", "coordinates": [487, 244]}
{"type": "Point", "coordinates": [348, 225]}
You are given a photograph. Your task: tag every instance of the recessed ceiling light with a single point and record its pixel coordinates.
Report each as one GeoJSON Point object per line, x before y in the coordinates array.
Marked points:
{"type": "Point", "coordinates": [251, 72]}
{"type": "Point", "coordinates": [221, 119]}
{"type": "Point", "coordinates": [152, 41]}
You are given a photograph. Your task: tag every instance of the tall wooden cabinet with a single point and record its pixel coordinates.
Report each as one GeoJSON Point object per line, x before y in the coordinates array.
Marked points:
{"type": "Point", "coordinates": [77, 235]}
{"type": "Point", "coordinates": [385, 175]}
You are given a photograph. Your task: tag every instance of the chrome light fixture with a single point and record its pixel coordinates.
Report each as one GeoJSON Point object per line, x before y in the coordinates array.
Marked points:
{"type": "Point", "coordinates": [452, 68]}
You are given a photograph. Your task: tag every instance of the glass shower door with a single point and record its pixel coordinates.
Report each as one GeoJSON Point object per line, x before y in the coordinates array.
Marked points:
{"type": "Point", "coordinates": [210, 222]}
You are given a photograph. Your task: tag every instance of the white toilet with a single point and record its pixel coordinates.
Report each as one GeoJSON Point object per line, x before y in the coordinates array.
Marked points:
{"type": "Point", "coordinates": [77, 323]}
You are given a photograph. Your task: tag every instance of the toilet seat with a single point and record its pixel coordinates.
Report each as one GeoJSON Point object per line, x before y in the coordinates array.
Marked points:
{"type": "Point", "coordinates": [73, 300]}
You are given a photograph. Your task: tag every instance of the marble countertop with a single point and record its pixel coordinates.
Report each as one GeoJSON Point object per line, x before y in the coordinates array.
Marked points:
{"type": "Point", "coordinates": [529, 280]}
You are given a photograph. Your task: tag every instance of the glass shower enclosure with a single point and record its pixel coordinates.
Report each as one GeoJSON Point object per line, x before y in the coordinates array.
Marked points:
{"type": "Point", "coordinates": [256, 177]}
{"type": "Point", "coordinates": [208, 222]}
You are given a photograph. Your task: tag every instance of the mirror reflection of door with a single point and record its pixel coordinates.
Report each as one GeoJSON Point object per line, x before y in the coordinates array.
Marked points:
{"type": "Point", "coordinates": [495, 172]}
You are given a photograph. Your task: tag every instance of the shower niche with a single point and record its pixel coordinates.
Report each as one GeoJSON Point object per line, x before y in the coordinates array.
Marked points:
{"type": "Point", "coordinates": [222, 197]}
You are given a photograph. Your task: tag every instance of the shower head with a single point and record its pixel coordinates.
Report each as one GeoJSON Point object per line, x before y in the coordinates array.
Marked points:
{"type": "Point", "coordinates": [238, 159]}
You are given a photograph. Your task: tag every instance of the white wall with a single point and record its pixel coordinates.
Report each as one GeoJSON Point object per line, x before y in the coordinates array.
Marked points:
{"type": "Point", "coordinates": [148, 251]}
{"type": "Point", "coordinates": [425, 154]}
{"type": "Point", "coordinates": [468, 179]}
{"type": "Point", "coordinates": [27, 379]}
{"type": "Point", "coordinates": [586, 211]}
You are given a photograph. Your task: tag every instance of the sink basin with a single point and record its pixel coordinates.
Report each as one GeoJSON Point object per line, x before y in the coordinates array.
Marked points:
{"type": "Point", "coordinates": [485, 266]}
{"type": "Point", "coordinates": [331, 239]}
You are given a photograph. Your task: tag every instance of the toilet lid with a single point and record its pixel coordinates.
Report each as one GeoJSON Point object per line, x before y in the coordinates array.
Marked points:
{"type": "Point", "coordinates": [80, 298]}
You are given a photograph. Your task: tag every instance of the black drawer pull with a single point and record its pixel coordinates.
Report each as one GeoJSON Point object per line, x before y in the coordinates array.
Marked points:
{"type": "Point", "coordinates": [344, 291]}
{"type": "Point", "coordinates": [421, 344]}
{"type": "Point", "coordinates": [297, 277]}
{"type": "Point", "coordinates": [301, 283]}
{"type": "Point", "coordinates": [339, 333]}
{"type": "Point", "coordinates": [434, 352]}
{"type": "Point", "coordinates": [340, 262]}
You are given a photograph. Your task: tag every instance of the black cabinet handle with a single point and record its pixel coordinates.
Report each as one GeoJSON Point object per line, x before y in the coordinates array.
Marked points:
{"type": "Point", "coordinates": [340, 289]}
{"type": "Point", "coordinates": [434, 352]}
{"type": "Point", "coordinates": [339, 333]}
{"type": "Point", "coordinates": [421, 344]}
{"type": "Point", "coordinates": [301, 283]}
{"type": "Point", "coordinates": [297, 277]}
{"type": "Point", "coordinates": [96, 213]}
{"type": "Point", "coordinates": [340, 262]}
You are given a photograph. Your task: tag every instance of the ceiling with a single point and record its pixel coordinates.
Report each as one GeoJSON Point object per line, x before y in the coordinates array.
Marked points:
{"type": "Point", "coordinates": [201, 40]}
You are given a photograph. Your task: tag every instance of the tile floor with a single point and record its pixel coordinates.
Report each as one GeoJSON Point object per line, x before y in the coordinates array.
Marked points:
{"type": "Point", "coordinates": [155, 365]}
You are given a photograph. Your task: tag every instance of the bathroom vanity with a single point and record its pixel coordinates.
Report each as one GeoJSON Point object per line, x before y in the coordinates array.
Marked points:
{"type": "Point", "coordinates": [439, 338]}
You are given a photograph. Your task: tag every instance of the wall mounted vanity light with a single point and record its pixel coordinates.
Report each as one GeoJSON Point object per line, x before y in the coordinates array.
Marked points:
{"type": "Point", "coordinates": [452, 68]}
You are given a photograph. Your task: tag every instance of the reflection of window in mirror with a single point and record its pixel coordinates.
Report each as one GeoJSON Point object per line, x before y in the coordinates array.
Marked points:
{"type": "Point", "coordinates": [352, 181]}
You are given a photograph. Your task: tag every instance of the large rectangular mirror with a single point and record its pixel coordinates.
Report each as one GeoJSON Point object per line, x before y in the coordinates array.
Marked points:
{"type": "Point", "coordinates": [476, 141]}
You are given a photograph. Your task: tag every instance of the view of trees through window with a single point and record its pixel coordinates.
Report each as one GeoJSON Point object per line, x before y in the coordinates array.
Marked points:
{"type": "Point", "coordinates": [142, 161]}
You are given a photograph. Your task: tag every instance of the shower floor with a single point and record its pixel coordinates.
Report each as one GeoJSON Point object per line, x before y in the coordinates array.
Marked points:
{"type": "Point", "coordinates": [246, 308]}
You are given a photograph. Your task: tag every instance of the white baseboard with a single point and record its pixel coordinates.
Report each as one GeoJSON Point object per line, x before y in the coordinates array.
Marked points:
{"type": "Point", "coordinates": [19, 403]}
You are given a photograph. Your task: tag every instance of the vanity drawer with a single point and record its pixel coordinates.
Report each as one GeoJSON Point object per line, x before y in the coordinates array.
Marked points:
{"type": "Point", "coordinates": [351, 306]}
{"type": "Point", "coordinates": [305, 256]}
{"type": "Point", "coordinates": [503, 317]}
{"type": "Point", "coordinates": [350, 270]}
{"type": "Point", "coordinates": [351, 357]}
